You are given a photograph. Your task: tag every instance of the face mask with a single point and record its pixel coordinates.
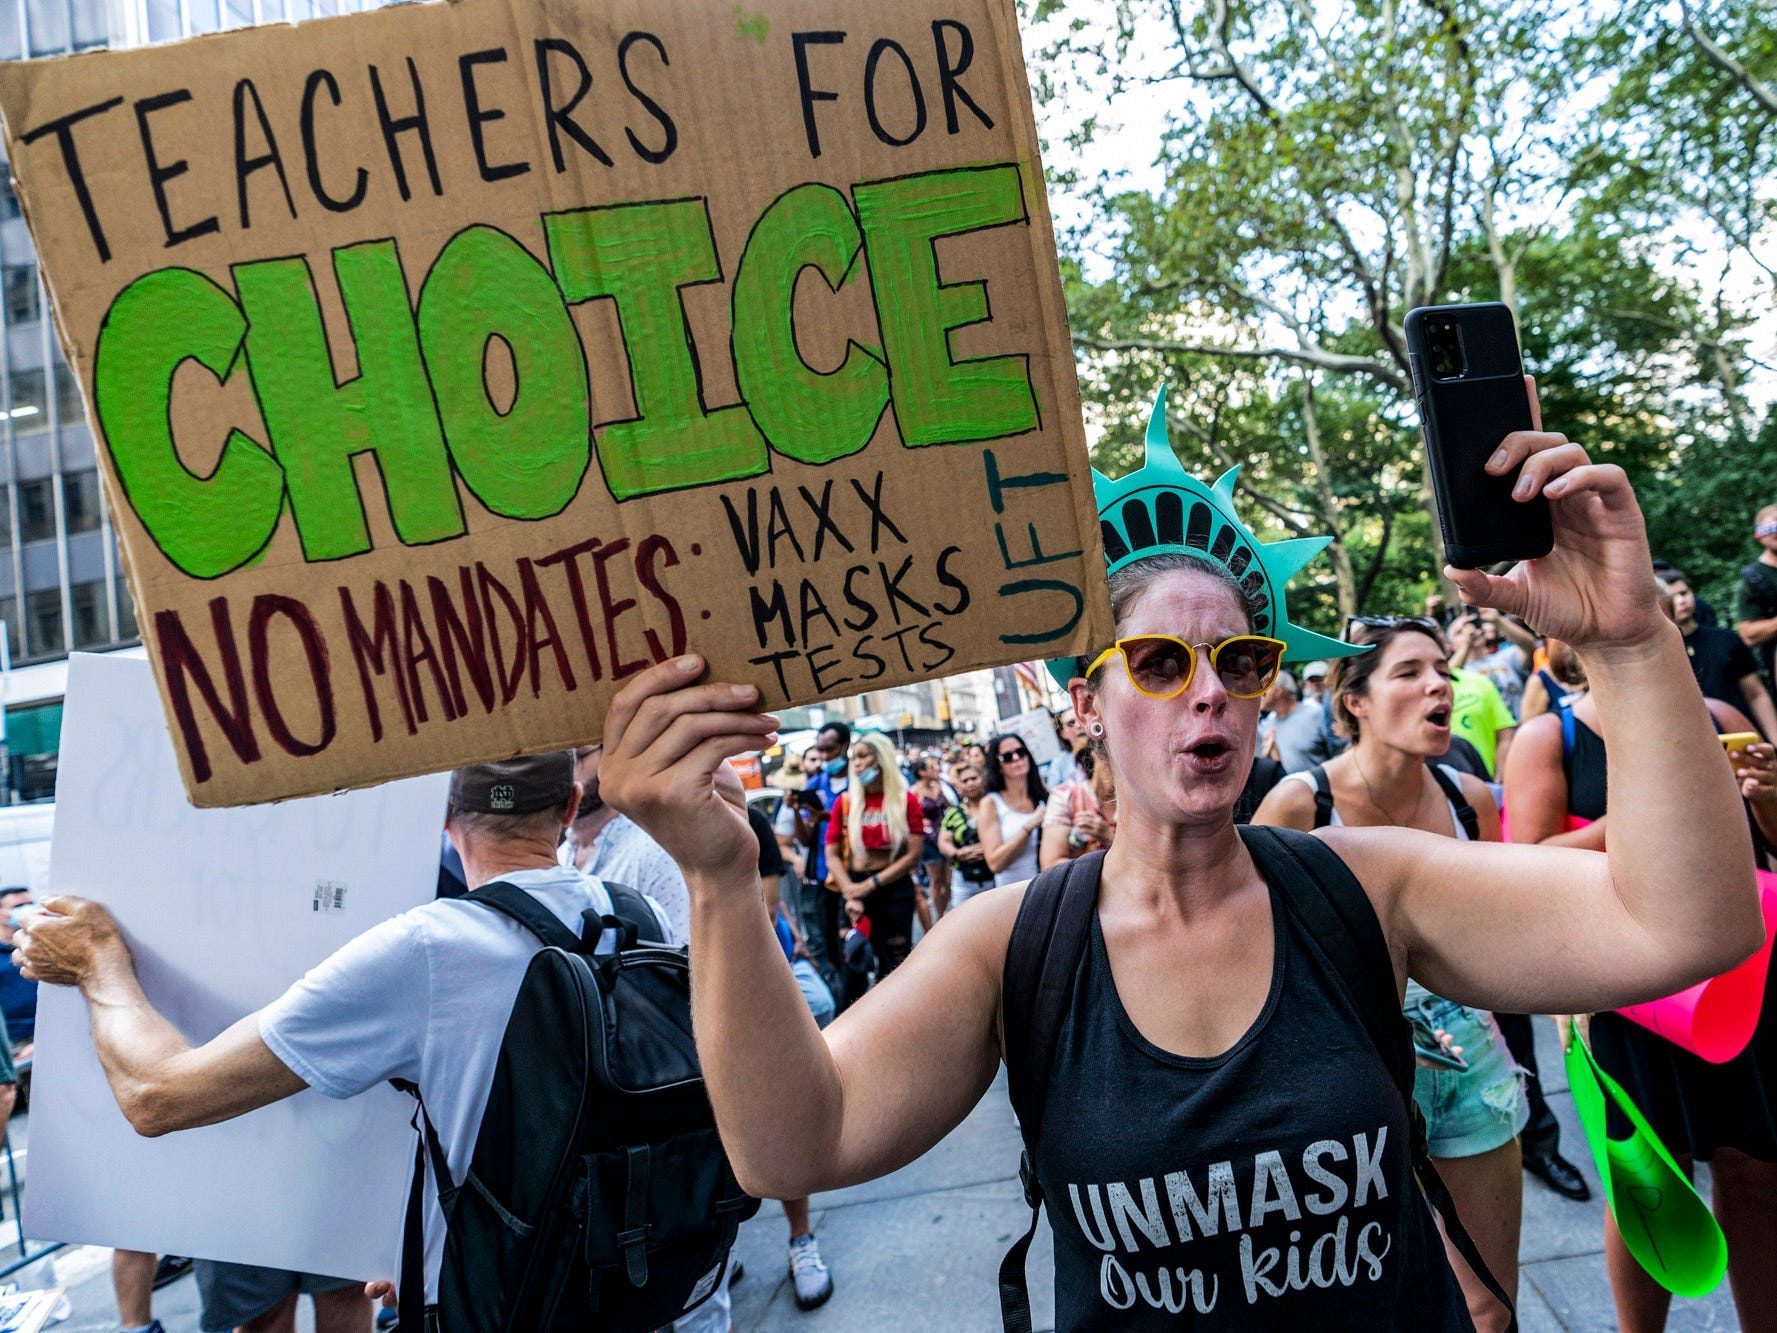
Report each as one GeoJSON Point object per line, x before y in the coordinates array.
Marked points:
{"type": "Point", "coordinates": [835, 767]}
{"type": "Point", "coordinates": [870, 776]}
{"type": "Point", "coordinates": [21, 914]}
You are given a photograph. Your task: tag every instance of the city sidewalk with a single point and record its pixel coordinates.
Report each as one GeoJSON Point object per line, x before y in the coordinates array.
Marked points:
{"type": "Point", "coordinates": [920, 1249]}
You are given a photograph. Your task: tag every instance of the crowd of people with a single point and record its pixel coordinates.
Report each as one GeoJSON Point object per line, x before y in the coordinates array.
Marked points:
{"type": "Point", "coordinates": [1202, 1016]}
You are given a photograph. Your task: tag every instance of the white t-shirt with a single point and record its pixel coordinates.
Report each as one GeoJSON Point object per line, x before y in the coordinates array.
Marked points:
{"type": "Point", "coordinates": [425, 996]}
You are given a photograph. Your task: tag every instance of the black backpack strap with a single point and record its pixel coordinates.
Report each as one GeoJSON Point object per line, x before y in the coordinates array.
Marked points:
{"type": "Point", "coordinates": [1042, 960]}
{"type": "Point", "coordinates": [411, 1293]}
{"type": "Point", "coordinates": [1452, 789]}
{"type": "Point", "coordinates": [510, 900]}
{"type": "Point", "coordinates": [1323, 797]}
{"type": "Point", "coordinates": [632, 910]}
{"type": "Point", "coordinates": [1334, 912]}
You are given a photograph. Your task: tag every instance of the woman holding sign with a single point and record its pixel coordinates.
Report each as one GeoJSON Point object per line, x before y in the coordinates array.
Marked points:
{"type": "Point", "coordinates": [1724, 1114]}
{"type": "Point", "coordinates": [1213, 1113]}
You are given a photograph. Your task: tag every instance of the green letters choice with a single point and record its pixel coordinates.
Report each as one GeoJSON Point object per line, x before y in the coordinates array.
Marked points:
{"type": "Point", "coordinates": [205, 525]}
{"type": "Point", "coordinates": [640, 255]}
{"type": "Point", "coordinates": [419, 402]}
{"type": "Point", "coordinates": [526, 462]}
{"type": "Point", "coordinates": [939, 400]}
{"type": "Point", "coordinates": [318, 425]}
{"type": "Point", "coordinates": [811, 417]}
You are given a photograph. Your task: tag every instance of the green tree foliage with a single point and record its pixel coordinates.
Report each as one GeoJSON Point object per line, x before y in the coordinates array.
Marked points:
{"type": "Point", "coordinates": [1326, 168]}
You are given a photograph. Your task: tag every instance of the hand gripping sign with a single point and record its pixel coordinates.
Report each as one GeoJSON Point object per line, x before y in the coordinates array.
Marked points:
{"type": "Point", "coordinates": [452, 362]}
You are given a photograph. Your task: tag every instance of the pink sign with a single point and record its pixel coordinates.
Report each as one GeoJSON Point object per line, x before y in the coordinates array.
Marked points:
{"type": "Point", "coordinates": [1716, 1018]}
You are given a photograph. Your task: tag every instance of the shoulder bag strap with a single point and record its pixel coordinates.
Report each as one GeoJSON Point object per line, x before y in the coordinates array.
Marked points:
{"type": "Point", "coordinates": [1042, 958]}
{"type": "Point", "coordinates": [1452, 789]}
{"type": "Point", "coordinates": [1323, 797]}
{"type": "Point", "coordinates": [410, 1295]}
{"type": "Point", "coordinates": [632, 910]}
{"type": "Point", "coordinates": [510, 900]}
{"type": "Point", "coordinates": [1568, 734]}
{"type": "Point", "coordinates": [1332, 908]}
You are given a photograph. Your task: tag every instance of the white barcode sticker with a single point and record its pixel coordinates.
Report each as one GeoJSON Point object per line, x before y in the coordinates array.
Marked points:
{"type": "Point", "coordinates": [330, 896]}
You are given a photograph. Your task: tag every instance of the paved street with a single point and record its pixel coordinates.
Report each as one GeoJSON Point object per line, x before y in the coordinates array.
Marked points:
{"type": "Point", "coordinates": [920, 1249]}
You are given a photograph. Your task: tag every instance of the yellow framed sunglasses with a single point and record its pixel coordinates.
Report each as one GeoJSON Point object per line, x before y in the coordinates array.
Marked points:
{"type": "Point", "coordinates": [1161, 666]}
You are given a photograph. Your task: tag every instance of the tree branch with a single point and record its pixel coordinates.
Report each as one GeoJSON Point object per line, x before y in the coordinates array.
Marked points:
{"type": "Point", "coordinates": [1335, 362]}
{"type": "Point", "coordinates": [1762, 92]}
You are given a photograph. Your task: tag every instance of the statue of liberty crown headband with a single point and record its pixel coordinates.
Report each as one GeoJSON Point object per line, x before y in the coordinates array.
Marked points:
{"type": "Point", "coordinates": [1161, 508]}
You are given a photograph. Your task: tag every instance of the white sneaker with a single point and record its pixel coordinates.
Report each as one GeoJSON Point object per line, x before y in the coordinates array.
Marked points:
{"type": "Point", "coordinates": [813, 1283]}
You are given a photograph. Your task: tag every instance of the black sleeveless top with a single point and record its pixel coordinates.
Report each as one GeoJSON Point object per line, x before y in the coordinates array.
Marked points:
{"type": "Point", "coordinates": [1583, 763]}
{"type": "Point", "coordinates": [1268, 1187]}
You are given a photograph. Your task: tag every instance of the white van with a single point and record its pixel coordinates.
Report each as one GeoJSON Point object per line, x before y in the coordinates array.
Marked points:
{"type": "Point", "coordinates": [24, 846]}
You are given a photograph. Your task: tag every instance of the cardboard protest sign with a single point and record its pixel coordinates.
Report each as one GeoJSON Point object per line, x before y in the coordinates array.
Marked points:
{"type": "Point", "coordinates": [223, 909]}
{"type": "Point", "coordinates": [454, 361]}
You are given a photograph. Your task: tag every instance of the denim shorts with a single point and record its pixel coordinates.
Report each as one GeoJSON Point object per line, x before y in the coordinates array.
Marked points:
{"type": "Point", "coordinates": [1475, 1110]}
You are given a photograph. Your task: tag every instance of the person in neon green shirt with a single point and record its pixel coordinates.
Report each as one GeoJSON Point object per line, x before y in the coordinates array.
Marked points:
{"type": "Point", "coordinates": [1479, 715]}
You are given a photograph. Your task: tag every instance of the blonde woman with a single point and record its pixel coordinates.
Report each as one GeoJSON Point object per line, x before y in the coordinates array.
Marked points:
{"type": "Point", "coordinates": [874, 839]}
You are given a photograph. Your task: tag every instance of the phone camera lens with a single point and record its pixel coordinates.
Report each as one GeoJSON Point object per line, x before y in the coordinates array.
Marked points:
{"type": "Point", "coordinates": [1444, 345]}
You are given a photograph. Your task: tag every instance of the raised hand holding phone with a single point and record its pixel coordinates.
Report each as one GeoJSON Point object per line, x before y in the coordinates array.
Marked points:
{"type": "Point", "coordinates": [1469, 382]}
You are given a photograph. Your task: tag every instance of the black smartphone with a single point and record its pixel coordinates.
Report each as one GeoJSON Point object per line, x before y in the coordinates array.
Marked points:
{"type": "Point", "coordinates": [1428, 1047]}
{"type": "Point", "coordinates": [1469, 380]}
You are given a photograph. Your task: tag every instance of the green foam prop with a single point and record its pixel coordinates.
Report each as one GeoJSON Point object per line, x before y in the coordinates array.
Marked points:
{"type": "Point", "coordinates": [1666, 1226]}
{"type": "Point", "coordinates": [1163, 508]}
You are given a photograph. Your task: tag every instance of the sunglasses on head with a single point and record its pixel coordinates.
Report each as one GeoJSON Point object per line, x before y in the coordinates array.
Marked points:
{"type": "Point", "coordinates": [1389, 622]}
{"type": "Point", "coordinates": [1161, 666]}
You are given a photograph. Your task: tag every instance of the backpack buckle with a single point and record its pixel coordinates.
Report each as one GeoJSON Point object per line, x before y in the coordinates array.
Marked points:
{"type": "Point", "coordinates": [1027, 1179]}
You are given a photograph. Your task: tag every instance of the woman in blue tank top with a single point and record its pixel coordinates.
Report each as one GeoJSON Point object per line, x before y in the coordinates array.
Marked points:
{"type": "Point", "coordinates": [1221, 1144]}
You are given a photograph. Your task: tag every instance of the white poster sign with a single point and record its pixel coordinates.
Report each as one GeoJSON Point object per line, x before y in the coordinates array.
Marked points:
{"type": "Point", "coordinates": [1037, 729]}
{"type": "Point", "coordinates": [222, 909]}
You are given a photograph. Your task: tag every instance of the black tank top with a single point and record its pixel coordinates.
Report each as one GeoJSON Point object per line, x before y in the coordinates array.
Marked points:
{"type": "Point", "coordinates": [1584, 764]}
{"type": "Point", "coordinates": [1268, 1187]}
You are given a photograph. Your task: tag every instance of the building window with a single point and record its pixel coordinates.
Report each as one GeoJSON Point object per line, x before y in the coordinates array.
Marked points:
{"type": "Point", "coordinates": [9, 612]}
{"type": "Point", "coordinates": [127, 628]}
{"type": "Point", "coordinates": [20, 281]}
{"type": "Point", "coordinates": [44, 611]}
{"type": "Point", "coordinates": [92, 26]}
{"type": "Point", "coordinates": [5, 516]}
{"type": "Point", "coordinates": [91, 626]}
{"type": "Point", "coordinates": [163, 21]}
{"type": "Point", "coordinates": [68, 400]}
{"type": "Point", "coordinates": [48, 20]}
{"type": "Point", "coordinates": [37, 512]}
{"type": "Point", "coordinates": [9, 202]}
{"type": "Point", "coordinates": [80, 500]}
{"type": "Point", "coordinates": [33, 742]}
{"type": "Point", "coordinates": [29, 409]}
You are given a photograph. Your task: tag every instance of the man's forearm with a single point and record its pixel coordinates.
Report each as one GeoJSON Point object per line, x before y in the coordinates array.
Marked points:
{"type": "Point", "coordinates": [1758, 632]}
{"type": "Point", "coordinates": [134, 1043]}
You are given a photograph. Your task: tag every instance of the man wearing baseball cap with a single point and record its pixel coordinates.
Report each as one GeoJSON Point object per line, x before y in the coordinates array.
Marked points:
{"type": "Point", "coordinates": [423, 997]}
{"type": "Point", "coordinates": [1755, 600]}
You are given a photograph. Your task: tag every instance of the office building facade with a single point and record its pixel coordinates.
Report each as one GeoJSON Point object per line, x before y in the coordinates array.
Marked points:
{"type": "Point", "coordinates": [62, 586]}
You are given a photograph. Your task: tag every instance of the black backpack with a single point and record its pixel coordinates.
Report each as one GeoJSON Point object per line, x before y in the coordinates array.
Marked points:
{"type": "Point", "coordinates": [598, 1195]}
{"type": "Point", "coordinates": [1330, 908]}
